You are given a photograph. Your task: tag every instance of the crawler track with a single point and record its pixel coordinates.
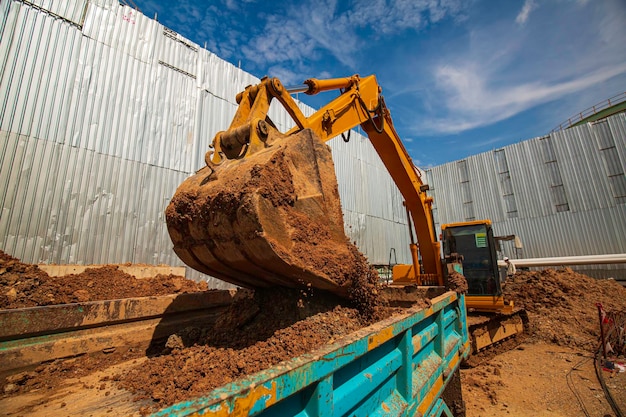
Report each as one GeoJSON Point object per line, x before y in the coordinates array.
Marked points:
{"type": "Point", "coordinates": [492, 335]}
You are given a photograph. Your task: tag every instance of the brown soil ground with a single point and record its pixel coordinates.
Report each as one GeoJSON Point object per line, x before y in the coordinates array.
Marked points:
{"type": "Point", "coordinates": [24, 285]}
{"type": "Point", "coordinates": [551, 374]}
{"type": "Point", "coordinates": [540, 379]}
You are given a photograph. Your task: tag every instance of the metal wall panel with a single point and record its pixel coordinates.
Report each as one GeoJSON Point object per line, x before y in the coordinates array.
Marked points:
{"type": "Point", "coordinates": [595, 219]}
{"type": "Point", "coordinates": [214, 114]}
{"type": "Point", "coordinates": [72, 10]}
{"type": "Point", "coordinates": [100, 122]}
{"type": "Point", "coordinates": [37, 73]}
{"type": "Point", "coordinates": [374, 215]}
{"type": "Point", "coordinates": [179, 53]}
{"type": "Point", "coordinates": [128, 31]}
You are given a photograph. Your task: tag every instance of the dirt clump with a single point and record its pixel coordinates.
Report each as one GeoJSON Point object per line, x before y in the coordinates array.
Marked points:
{"type": "Point", "coordinates": [485, 379]}
{"type": "Point", "coordinates": [457, 282]}
{"type": "Point", "coordinates": [561, 304]}
{"type": "Point", "coordinates": [25, 285]}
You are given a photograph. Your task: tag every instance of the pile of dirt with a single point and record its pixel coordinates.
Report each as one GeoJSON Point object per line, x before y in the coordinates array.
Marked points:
{"type": "Point", "coordinates": [258, 331]}
{"type": "Point", "coordinates": [552, 372]}
{"type": "Point", "coordinates": [265, 327]}
{"type": "Point", "coordinates": [24, 285]}
{"type": "Point", "coordinates": [256, 335]}
{"type": "Point", "coordinates": [561, 305]}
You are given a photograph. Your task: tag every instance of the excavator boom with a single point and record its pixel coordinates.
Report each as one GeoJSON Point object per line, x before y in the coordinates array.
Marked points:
{"type": "Point", "coordinates": [265, 210]}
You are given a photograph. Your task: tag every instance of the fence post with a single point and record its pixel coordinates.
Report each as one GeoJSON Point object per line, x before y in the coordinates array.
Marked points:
{"type": "Point", "coordinates": [601, 330]}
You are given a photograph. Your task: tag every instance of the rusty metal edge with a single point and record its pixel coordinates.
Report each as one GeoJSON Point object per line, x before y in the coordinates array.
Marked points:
{"type": "Point", "coordinates": [26, 322]}
{"type": "Point", "coordinates": [16, 355]}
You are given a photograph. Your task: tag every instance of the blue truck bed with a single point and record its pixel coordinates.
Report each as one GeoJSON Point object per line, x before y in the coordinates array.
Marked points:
{"type": "Point", "coordinates": [399, 366]}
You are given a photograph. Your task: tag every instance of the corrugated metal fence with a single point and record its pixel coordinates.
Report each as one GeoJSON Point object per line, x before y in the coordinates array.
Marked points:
{"type": "Point", "coordinates": [105, 111]}
{"type": "Point", "coordinates": [564, 194]}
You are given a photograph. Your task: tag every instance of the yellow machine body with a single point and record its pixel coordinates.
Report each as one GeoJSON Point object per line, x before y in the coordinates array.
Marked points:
{"type": "Point", "coordinates": [265, 210]}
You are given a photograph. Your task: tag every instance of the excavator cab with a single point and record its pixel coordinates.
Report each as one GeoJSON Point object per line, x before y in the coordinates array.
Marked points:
{"type": "Point", "coordinates": [491, 318]}
{"type": "Point", "coordinates": [474, 242]}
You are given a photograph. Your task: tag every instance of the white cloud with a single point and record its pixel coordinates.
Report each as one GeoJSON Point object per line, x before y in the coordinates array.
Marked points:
{"type": "Point", "coordinates": [485, 143]}
{"type": "Point", "coordinates": [306, 32]}
{"type": "Point", "coordinates": [301, 35]}
{"type": "Point", "coordinates": [471, 102]}
{"type": "Point", "coordinates": [286, 75]}
{"type": "Point", "coordinates": [499, 73]}
{"type": "Point", "coordinates": [235, 4]}
{"type": "Point", "coordinates": [393, 16]}
{"type": "Point", "coordinates": [290, 39]}
{"type": "Point", "coordinates": [522, 17]}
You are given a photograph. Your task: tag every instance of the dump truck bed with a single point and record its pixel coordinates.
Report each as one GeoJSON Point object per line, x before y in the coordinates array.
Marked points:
{"type": "Point", "coordinates": [400, 366]}
{"type": "Point", "coordinates": [395, 367]}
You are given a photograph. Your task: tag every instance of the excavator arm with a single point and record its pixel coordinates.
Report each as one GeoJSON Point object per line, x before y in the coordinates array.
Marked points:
{"type": "Point", "coordinates": [265, 210]}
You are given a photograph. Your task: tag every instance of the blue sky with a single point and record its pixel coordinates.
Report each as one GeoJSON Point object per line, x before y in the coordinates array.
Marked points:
{"type": "Point", "coordinates": [460, 77]}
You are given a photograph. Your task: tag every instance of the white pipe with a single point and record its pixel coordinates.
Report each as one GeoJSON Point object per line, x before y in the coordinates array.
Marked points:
{"type": "Point", "coordinates": [614, 258]}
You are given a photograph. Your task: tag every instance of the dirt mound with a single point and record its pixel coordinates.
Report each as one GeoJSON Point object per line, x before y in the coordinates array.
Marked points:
{"type": "Point", "coordinates": [259, 330]}
{"type": "Point", "coordinates": [262, 328]}
{"type": "Point", "coordinates": [25, 285]}
{"type": "Point", "coordinates": [561, 304]}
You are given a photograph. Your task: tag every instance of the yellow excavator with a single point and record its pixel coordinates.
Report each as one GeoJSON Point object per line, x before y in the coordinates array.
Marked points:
{"type": "Point", "coordinates": [265, 210]}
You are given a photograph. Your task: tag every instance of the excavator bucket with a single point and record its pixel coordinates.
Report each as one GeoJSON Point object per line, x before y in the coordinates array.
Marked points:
{"type": "Point", "coordinates": [270, 219]}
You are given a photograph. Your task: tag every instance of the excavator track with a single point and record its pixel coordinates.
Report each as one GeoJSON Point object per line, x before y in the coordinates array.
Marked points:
{"type": "Point", "coordinates": [492, 334]}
